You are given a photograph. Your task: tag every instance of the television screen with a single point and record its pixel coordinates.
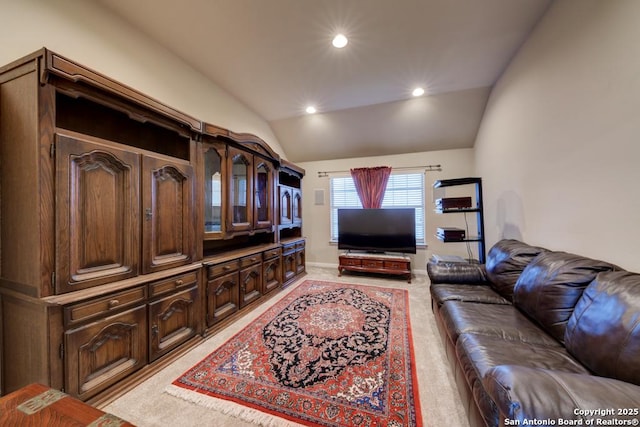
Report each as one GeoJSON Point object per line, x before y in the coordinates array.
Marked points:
{"type": "Point", "coordinates": [377, 230]}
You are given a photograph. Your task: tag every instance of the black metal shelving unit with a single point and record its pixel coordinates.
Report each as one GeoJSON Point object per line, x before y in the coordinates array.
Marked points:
{"type": "Point", "coordinates": [478, 210]}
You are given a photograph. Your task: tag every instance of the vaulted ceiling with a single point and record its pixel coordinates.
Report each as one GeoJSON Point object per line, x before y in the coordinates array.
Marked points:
{"type": "Point", "coordinates": [276, 57]}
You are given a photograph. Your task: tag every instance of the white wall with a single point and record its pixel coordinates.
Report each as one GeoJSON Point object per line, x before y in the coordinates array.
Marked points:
{"type": "Point", "coordinates": [558, 147]}
{"type": "Point", "coordinates": [317, 227]}
{"type": "Point", "coordinates": [86, 33]}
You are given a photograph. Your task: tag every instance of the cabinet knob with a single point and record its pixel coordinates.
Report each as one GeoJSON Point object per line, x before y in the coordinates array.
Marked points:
{"type": "Point", "coordinates": [179, 282]}
{"type": "Point", "coordinates": [113, 303]}
{"type": "Point", "coordinates": [227, 267]}
{"type": "Point", "coordinates": [148, 214]}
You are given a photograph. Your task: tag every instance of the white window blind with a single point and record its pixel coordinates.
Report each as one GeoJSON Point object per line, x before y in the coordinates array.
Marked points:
{"type": "Point", "coordinates": [404, 190]}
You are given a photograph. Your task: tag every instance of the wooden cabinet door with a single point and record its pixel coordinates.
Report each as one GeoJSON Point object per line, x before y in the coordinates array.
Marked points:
{"type": "Point", "coordinates": [300, 260]}
{"type": "Point", "coordinates": [168, 225]}
{"type": "Point", "coordinates": [288, 264]}
{"type": "Point", "coordinates": [250, 284]}
{"type": "Point", "coordinates": [223, 297]}
{"type": "Point", "coordinates": [240, 191]}
{"type": "Point", "coordinates": [263, 195]}
{"type": "Point", "coordinates": [285, 202]}
{"type": "Point", "coordinates": [102, 353]}
{"type": "Point", "coordinates": [97, 213]}
{"type": "Point", "coordinates": [296, 206]}
{"type": "Point", "coordinates": [214, 178]}
{"type": "Point", "coordinates": [172, 321]}
{"type": "Point", "coordinates": [271, 274]}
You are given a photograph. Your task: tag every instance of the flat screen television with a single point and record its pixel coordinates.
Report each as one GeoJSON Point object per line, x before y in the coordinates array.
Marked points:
{"type": "Point", "coordinates": [377, 230]}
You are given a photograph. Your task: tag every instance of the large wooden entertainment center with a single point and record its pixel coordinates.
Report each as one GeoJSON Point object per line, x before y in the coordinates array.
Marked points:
{"type": "Point", "coordinates": [375, 263]}
{"type": "Point", "coordinates": [129, 230]}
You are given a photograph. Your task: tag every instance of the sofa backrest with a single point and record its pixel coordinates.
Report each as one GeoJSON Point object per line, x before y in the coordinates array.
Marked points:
{"type": "Point", "coordinates": [551, 285]}
{"type": "Point", "coordinates": [505, 261]}
{"type": "Point", "coordinates": [604, 331]}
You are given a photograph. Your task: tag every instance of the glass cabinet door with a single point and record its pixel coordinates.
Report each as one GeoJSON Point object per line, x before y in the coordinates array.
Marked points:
{"type": "Point", "coordinates": [213, 192]}
{"type": "Point", "coordinates": [240, 190]}
{"type": "Point", "coordinates": [263, 198]}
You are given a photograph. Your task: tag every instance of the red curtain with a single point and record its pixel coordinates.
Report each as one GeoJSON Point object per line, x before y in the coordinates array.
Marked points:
{"type": "Point", "coordinates": [371, 184]}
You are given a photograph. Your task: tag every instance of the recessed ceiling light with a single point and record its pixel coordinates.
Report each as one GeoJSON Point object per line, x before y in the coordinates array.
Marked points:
{"type": "Point", "coordinates": [340, 41]}
{"type": "Point", "coordinates": [418, 91]}
{"type": "Point", "coordinates": [311, 109]}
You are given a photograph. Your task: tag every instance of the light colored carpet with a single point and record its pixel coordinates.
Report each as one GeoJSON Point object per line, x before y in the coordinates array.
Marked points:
{"type": "Point", "coordinates": [148, 406]}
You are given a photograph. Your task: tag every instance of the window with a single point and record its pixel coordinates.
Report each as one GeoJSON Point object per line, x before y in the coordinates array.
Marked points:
{"type": "Point", "coordinates": [404, 190]}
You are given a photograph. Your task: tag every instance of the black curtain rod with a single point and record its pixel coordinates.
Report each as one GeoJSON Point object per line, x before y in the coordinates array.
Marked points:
{"type": "Point", "coordinates": [427, 168]}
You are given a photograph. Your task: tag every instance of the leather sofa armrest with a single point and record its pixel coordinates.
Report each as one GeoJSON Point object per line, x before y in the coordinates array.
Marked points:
{"type": "Point", "coordinates": [547, 396]}
{"type": "Point", "coordinates": [450, 273]}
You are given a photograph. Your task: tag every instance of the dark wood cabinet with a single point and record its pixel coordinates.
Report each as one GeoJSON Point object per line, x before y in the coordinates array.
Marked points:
{"type": "Point", "coordinates": [173, 319]}
{"type": "Point", "coordinates": [285, 204]}
{"type": "Point", "coordinates": [271, 270]}
{"type": "Point", "coordinates": [300, 258]}
{"type": "Point", "coordinates": [168, 211]}
{"type": "Point", "coordinates": [97, 216]}
{"type": "Point", "coordinates": [174, 311]}
{"type": "Point", "coordinates": [238, 176]}
{"type": "Point", "coordinates": [213, 179]}
{"type": "Point", "coordinates": [263, 194]}
{"type": "Point", "coordinates": [128, 228]}
{"type": "Point", "coordinates": [238, 278]}
{"type": "Point", "coordinates": [104, 352]}
{"type": "Point", "coordinates": [296, 206]}
{"type": "Point", "coordinates": [289, 267]}
{"type": "Point", "coordinates": [374, 263]}
{"type": "Point", "coordinates": [290, 203]}
{"type": "Point", "coordinates": [85, 229]}
{"type": "Point", "coordinates": [293, 260]}
{"type": "Point", "coordinates": [250, 192]}
{"type": "Point", "coordinates": [223, 297]}
{"type": "Point", "coordinates": [100, 189]}
{"type": "Point", "coordinates": [240, 192]}
{"type": "Point", "coordinates": [251, 282]}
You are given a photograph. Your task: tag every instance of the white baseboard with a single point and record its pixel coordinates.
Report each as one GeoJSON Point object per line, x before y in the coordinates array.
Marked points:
{"type": "Point", "coordinates": [322, 264]}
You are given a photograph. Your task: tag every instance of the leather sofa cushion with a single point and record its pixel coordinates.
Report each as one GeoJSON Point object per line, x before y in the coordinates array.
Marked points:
{"type": "Point", "coordinates": [470, 293]}
{"type": "Point", "coordinates": [490, 319]}
{"type": "Point", "coordinates": [551, 285]}
{"type": "Point", "coordinates": [524, 393]}
{"type": "Point", "coordinates": [505, 261]}
{"type": "Point", "coordinates": [604, 331]}
{"type": "Point", "coordinates": [447, 272]}
{"type": "Point", "coordinates": [479, 353]}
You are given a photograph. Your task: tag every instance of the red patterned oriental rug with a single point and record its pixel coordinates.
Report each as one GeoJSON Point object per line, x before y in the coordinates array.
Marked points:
{"type": "Point", "coordinates": [327, 354]}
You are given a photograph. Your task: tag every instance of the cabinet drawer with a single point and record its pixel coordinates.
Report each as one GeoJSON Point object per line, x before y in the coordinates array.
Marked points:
{"type": "Point", "coordinates": [271, 253]}
{"type": "Point", "coordinates": [299, 245]}
{"type": "Point", "coordinates": [99, 307]}
{"type": "Point", "coordinates": [396, 265]}
{"type": "Point", "coordinates": [289, 248]}
{"type": "Point", "coordinates": [372, 263]}
{"type": "Point", "coordinates": [172, 283]}
{"type": "Point", "coordinates": [220, 269]}
{"type": "Point", "coordinates": [250, 260]}
{"type": "Point", "coordinates": [351, 261]}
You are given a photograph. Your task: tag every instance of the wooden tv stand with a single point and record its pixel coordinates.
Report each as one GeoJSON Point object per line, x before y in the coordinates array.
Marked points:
{"type": "Point", "coordinates": [375, 263]}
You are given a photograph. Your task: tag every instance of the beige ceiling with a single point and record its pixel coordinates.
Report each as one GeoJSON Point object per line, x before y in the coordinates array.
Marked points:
{"type": "Point", "coordinates": [276, 57]}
